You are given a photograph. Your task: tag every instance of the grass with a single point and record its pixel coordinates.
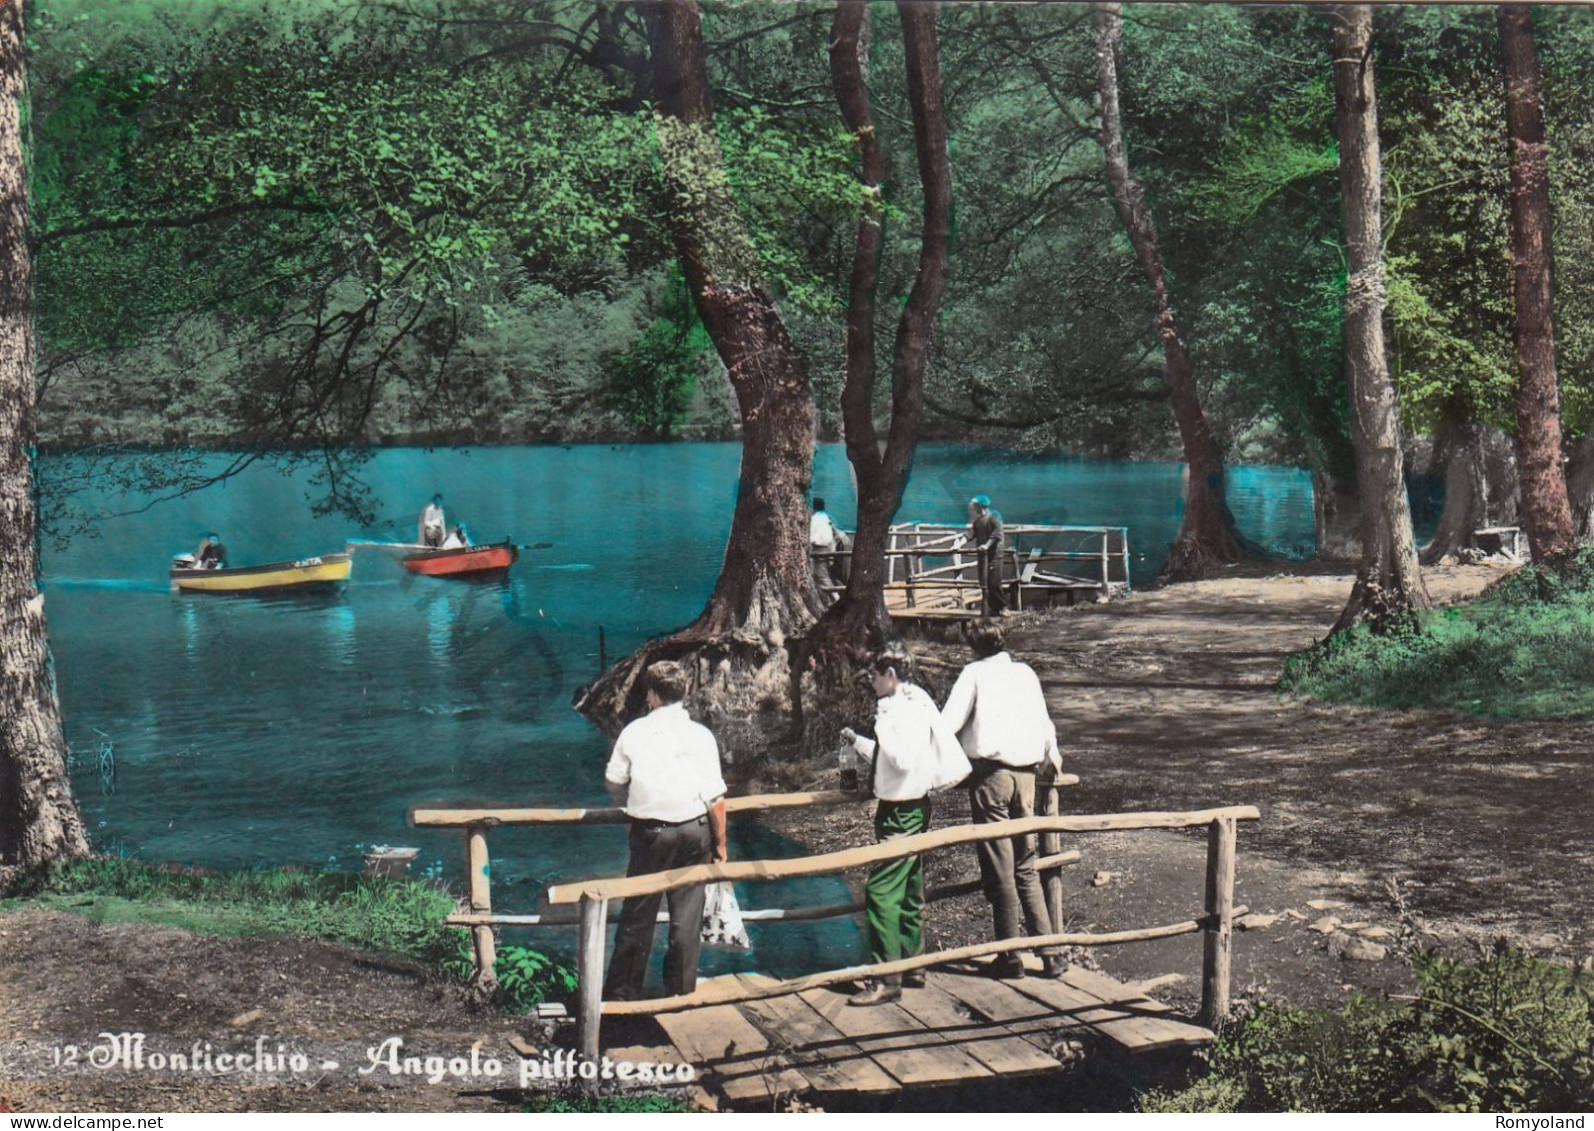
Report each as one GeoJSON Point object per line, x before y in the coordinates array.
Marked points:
{"type": "Point", "coordinates": [386, 916]}
{"type": "Point", "coordinates": [1522, 649]}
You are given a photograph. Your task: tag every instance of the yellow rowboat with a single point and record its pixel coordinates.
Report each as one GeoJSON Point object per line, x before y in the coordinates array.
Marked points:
{"type": "Point", "coordinates": [308, 573]}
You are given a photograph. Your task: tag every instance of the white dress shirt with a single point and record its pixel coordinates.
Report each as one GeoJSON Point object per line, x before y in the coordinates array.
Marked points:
{"type": "Point", "coordinates": [999, 711]}
{"type": "Point", "coordinates": [670, 763]}
{"type": "Point", "coordinates": [821, 532]}
{"type": "Point", "coordinates": [903, 748]}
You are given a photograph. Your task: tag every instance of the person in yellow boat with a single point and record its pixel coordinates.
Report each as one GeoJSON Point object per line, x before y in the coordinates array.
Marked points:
{"type": "Point", "coordinates": [211, 553]}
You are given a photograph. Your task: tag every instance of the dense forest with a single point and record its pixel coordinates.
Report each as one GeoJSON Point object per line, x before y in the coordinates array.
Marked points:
{"type": "Point", "coordinates": [323, 222]}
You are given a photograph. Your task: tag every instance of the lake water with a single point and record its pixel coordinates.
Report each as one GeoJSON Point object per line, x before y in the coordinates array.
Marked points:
{"type": "Point", "coordinates": [253, 732]}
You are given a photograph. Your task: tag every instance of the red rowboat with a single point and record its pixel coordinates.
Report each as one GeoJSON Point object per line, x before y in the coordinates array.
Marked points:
{"type": "Point", "coordinates": [467, 561]}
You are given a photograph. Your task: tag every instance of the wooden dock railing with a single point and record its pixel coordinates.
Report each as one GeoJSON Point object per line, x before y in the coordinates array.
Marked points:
{"type": "Point", "coordinates": [932, 571]}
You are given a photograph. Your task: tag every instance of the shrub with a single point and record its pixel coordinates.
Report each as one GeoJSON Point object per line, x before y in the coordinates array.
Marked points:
{"type": "Point", "coordinates": [1511, 1034]}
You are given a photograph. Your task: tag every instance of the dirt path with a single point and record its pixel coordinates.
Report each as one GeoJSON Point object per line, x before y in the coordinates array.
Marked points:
{"type": "Point", "coordinates": [1166, 701]}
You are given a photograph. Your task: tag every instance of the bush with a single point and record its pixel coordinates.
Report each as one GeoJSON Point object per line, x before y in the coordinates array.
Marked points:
{"type": "Point", "coordinates": [1521, 649]}
{"type": "Point", "coordinates": [1511, 1034]}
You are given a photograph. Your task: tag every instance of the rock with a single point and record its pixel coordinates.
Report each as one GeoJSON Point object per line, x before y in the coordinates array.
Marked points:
{"type": "Point", "coordinates": [1102, 879]}
{"type": "Point", "coordinates": [1327, 925]}
{"type": "Point", "coordinates": [1376, 933]}
{"type": "Point", "coordinates": [1294, 914]}
{"type": "Point", "coordinates": [1256, 921]}
{"type": "Point", "coordinates": [1360, 950]}
{"type": "Point", "coordinates": [244, 1019]}
{"type": "Point", "coordinates": [1325, 905]}
{"type": "Point", "coordinates": [1359, 925]}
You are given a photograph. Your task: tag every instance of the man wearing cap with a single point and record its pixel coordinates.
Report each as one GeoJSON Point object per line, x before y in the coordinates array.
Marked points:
{"type": "Point", "coordinates": [999, 711]}
{"type": "Point", "coordinates": [985, 535]}
{"type": "Point", "coordinates": [211, 553]}
{"type": "Point", "coordinates": [432, 526]}
{"type": "Point", "coordinates": [665, 773]}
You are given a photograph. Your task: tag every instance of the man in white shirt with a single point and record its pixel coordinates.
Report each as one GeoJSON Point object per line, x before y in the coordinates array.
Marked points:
{"type": "Point", "coordinates": [911, 754]}
{"type": "Point", "coordinates": [823, 542]}
{"type": "Point", "coordinates": [999, 711]}
{"type": "Point", "coordinates": [431, 525]}
{"type": "Point", "coordinates": [665, 772]}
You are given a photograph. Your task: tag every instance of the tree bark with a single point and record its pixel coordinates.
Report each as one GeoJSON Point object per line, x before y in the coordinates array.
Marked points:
{"type": "Point", "coordinates": [1389, 580]}
{"type": "Point", "coordinates": [764, 596]}
{"type": "Point", "coordinates": [1480, 488]}
{"type": "Point", "coordinates": [859, 618]}
{"type": "Point", "coordinates": [1546, 511]}
{"type": "Point", "coordinates": [1580, 487]}
{"type": "Point", "coordinates": [39, 820]}
{"type": "Point", "coordinates": [1207, 534]}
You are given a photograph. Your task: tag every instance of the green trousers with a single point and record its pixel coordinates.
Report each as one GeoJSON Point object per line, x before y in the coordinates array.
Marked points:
{"type": "Point", "coordinates": [894, 893]}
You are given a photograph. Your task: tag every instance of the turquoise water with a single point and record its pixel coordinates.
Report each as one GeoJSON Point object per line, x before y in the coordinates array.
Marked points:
{"type": "Point", "coordinates": [250, 731]}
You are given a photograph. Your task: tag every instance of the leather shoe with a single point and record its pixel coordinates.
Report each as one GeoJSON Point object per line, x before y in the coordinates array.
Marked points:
{"type": "Point", "coordinates": [913, 980]}
{"type": "Point", "coordinates": [876, 993]}
{"type": "Point", "coordinates": [1008, 968]}
{"type": "Point", "coordinates": [1055, 967]}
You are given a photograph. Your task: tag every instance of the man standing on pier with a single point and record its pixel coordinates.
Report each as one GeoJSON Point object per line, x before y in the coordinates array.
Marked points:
{"type": "Point", "coordinates": [986, 536]}
{"type": "Point", "coordinates": [665, 773]}
{"type": "Point", "coordinates": [999, 711]}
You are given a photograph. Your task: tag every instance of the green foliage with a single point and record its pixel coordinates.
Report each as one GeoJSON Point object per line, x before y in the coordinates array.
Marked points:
{"type": "Point", "coordinates": [652, 382]}
{"type": "Point", "coordinates": [387, 916]}
{"type": "Point", "coordinates": [1522, 649]}
{"type": "Point", "coordinates": [1510, 1034]}
{"type": "Point", "coordinates": [525, 976]}
{"type": "Point", "coordinates": [565, 1105]}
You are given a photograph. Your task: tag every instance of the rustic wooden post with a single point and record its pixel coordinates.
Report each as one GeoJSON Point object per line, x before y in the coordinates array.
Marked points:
{"type": "Point", "coordinates": [1106, 570]}
{"type": "Point", "coordinates": [481, 903]}
{"type": "Point", "coordinates": [1219, 926]}
{"type": "Point", "coordinates": [1049, 805]}
{"type": "Point", "coordinates": [589, 972]}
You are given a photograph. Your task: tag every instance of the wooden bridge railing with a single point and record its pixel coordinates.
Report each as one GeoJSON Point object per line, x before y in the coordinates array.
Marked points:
{"type": "Point", "coordinates": [593, 897]}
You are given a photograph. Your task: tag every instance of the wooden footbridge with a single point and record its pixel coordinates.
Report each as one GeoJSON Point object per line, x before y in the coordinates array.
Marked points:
{"type": "Point", "coordinates": [933, 574]}
{"type": "Point", "coordinates": [754, 1038]}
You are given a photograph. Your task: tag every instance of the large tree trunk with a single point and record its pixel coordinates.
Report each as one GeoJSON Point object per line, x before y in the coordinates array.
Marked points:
{"type": "Point", "coordinates": [1546, 511]}
{"type": "Point", "coordinates": [1389, 580]}
{"type": "Point", "coordinates": [39, 821]}
{"type": "Point", "coordinates": [859, 617]}
{"type": "Point", "coordinates": [1479, 469]}
{"type": "Point", "coordinates": [737, 649]}
{"type": "Point", "coordinates": [1207, 534]}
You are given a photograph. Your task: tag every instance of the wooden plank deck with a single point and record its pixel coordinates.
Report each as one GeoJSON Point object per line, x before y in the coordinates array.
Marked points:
{"type": "Point", "coordinates": [963, 1026]}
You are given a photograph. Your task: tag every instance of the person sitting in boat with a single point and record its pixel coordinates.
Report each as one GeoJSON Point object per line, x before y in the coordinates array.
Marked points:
{"type": "Point", "coordinates": [211, 553]}
{"type": "Point", "coordinates": [432, 525]}
{"type": "Point", "coordinates": [458, 539]}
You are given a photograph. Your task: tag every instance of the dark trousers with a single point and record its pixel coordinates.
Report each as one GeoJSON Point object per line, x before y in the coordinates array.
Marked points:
{"type": "Point", "coordinates": [894, 892]}
{"type": "Point", "coordinates": [1007, 867]}
{"type": "Point", "coordinates": [658, 848]}
{"type": "Point", "coordinates": [990, 571]}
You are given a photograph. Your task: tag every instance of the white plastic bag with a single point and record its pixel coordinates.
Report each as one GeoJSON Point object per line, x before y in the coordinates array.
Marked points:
{"type": "Point", "coordinates": [722, 919]}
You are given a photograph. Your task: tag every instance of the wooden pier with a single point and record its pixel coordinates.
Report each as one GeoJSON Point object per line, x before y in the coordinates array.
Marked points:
{"type": "Point", "coordinates": [933, 574]}
{"type": "Point", "coordinates": [755, 1039]}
